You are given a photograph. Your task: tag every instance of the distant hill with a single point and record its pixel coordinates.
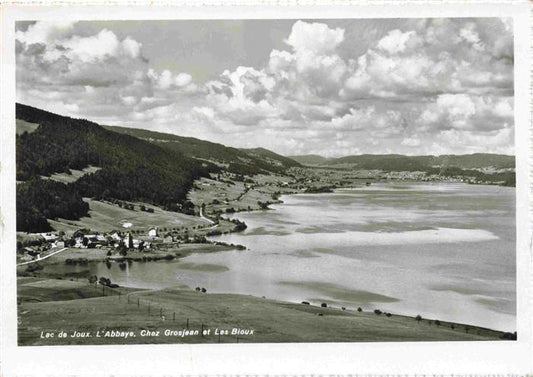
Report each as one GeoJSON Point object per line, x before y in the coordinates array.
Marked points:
{"type": "Point", "coordinates": [397, 162]}
{"type": "Point", "coordinates": [130, 168]}
{"type": "Point", "coordinates": [476, 161]}
{"type": "Point", "coordinates": [240, 161]}
{"type": "Point", "coordinates": [310, 159]}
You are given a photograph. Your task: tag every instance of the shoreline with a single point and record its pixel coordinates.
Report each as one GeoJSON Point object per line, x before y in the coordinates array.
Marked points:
{"type": "Point", "coordinates": [186, 249]}
{"type": "Point", "coordinates": [179, 254]}
{"type": "Point", "coordinates": [270, 320]}
{"type": "Point", "coordinates": [284, 197]}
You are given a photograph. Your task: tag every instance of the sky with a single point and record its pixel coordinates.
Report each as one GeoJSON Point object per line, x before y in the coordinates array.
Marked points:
{"type": "Point", "coordinates": [328, 87]}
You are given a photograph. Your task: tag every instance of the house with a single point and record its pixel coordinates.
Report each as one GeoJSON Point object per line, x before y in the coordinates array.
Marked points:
{"type": "Point", "coordinates": [116, 236]}
{"type": "Point", "coordinates": [152, 232]}
{"type": "Point", "coordinates": [49, 237]}
{"type": "Point", "coordinates": [79, 242]}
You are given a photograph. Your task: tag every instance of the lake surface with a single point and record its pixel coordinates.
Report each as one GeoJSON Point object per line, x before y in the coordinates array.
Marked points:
{"type": "Point", "coordinates": [444, 251]}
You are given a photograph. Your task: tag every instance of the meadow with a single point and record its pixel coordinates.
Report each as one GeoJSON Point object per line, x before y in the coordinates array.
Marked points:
{"type": "Point", "coordinates": [91, 309]}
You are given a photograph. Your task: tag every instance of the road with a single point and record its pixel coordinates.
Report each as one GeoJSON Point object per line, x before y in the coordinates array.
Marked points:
{"type": "Point", "coordinates": [40, 259]}
{"type": "Point", "coordinates": [209, 220]}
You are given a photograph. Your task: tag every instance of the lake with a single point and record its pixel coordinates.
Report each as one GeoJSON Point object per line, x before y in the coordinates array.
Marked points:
{"type": "Point", "coordinates": [444, 250]}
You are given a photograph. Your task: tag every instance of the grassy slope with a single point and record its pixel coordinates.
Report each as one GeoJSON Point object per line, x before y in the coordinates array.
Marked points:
{"type": "Point", "coordinates": [23, 126]}
{"type": "Point", "coordinates": [106, 217]}
{"type": "Point", "coordinates": [73, 176]}
{"type": "Point", "coordinates": [272, 321]}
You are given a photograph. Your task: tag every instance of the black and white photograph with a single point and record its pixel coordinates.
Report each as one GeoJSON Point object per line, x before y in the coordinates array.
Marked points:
{"type": "Point", "coordinates": [266, 180]}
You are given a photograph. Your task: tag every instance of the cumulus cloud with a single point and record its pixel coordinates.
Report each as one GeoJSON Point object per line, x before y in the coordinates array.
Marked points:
{"type": "Point", "coordinates": [419, 86]}
{"type": "Point", "coordinates": [98, 75]}
{"type": "Point", "coordinates": [467, 112]}
{"type": "Point", "coordinates": [316, 38]}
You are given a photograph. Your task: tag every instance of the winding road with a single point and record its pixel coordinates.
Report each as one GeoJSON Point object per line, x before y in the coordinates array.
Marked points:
{"type": "Point", "coordinates": [207, 219]}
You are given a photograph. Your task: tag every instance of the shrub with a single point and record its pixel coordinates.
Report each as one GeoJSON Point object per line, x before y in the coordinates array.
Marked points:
{"type": "Point", "coordinates": [377, 311]}
{"type": "Point", "coordinates": [359, 309]}
{"type": "Point", "coordinates": [418, 318]}
{"type": "Point", "coordinates": [388, 315]}
{"type": "Point", "coordinates": [508, 336]}
{"type": "Point", "coordinates": [324, 305]}
{"type": "Point", "coordinates": [305, 303]}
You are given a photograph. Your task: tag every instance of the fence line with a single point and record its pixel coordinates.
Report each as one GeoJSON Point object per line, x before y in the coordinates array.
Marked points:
{"type": "Point", "coordinates": [151, 308]}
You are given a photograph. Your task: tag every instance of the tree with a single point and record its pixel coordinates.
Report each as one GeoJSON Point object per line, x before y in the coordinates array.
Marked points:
{"type": "Point", "coordinates": [418, 318]}
{"type": "Point", "coordinates": [85, 241]}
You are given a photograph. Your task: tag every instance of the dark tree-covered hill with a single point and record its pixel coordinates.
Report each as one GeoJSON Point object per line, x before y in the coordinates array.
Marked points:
{"type": "Point", "coordinates": [131, 168]}
{"type": "Point", "coordinates": [239, 161]}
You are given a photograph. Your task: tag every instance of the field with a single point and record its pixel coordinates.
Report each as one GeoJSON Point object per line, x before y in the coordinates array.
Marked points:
{"type": "Point", "coordinates": [23, 126]}
{"type": "Point", "coordinates": [239, 196]}
{"type": "Point", "coordinates": [73, 176]}
{"type": "Point", "coordinates": [271, 321]}
{"type": "Point", "coordinates": [107, 216]}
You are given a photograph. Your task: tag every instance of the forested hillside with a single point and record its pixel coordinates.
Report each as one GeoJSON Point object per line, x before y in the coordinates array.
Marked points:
{"type": "Point", "coordinates": [271, 157]}
{"type": "Point", "coordinates": [131, 169]}
{"type": "Point", "coordinates": [239, 161]}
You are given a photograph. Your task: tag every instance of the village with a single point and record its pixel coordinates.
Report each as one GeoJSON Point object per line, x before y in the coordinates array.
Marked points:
{"type": "Point", "coordinates": [84, 244]}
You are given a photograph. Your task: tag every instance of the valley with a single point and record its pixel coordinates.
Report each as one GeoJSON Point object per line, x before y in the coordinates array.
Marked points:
{"type": "Point", "coordinates": [97, 202]}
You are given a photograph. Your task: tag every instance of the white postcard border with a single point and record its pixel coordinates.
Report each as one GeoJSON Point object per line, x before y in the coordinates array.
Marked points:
{"type": "Point", "coordinates": [288, 358]}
